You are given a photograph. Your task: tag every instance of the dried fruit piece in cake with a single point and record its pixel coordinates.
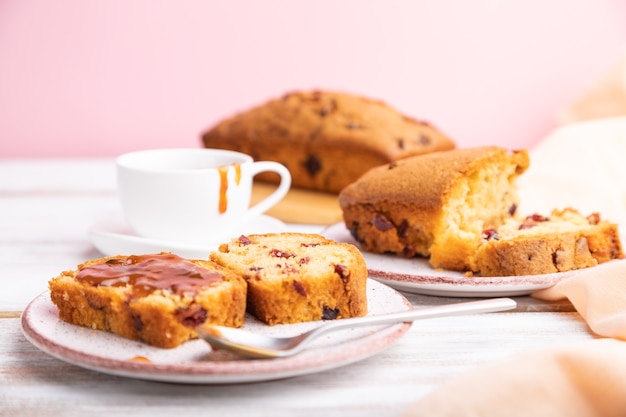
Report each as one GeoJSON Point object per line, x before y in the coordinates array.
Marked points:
{"type": "Point", "coordinates": [297, 277]}
{"type": "Point", "coordinates": [537, 244]}
{"type": "Point", "coordinates": [158, 299]}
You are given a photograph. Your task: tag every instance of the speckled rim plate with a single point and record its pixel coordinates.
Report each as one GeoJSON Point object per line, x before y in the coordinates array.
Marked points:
{"type": "Point", "coordinates": [194, 362]}
{"type": "Point", "coordinates": [415, 275]}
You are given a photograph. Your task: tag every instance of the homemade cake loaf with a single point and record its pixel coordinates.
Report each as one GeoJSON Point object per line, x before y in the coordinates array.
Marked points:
{"type": "Point", "coordinates": [327, 140]}
{"type": "Point", "coordinates": [459, 208]}
{"type": "Point", "coordinates": [563, 241]}
{"type": "Point", "coordinates": [158, 299]}
{"type": "Point", "coordinates": [435, 205]}
{"type": "Point", "coordinates": [295, 277]}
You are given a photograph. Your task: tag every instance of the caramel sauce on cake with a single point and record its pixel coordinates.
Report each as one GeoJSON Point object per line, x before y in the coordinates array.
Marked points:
{"type": "Point", "coordinates": [148, 273]}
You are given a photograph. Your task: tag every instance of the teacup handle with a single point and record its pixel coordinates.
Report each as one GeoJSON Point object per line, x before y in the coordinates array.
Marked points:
{"type": "Point", "coordinates": [278, 194]}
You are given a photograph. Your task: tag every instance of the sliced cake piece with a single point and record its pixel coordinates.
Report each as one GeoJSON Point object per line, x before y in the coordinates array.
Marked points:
{"type": "Point", "coordinates": [158, 299]}
{"type": "Point", "coordinates": [563, 241]}
{"type": "Point", "coordinates": [296, 277]}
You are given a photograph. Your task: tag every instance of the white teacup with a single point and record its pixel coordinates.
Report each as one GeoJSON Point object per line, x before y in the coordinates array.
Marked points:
{"type": "Point", "coordinates": [192, 195]}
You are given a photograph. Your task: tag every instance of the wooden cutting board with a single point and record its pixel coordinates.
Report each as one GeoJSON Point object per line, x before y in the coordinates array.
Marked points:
{"type": "Point", "coordinates": [300, 205]}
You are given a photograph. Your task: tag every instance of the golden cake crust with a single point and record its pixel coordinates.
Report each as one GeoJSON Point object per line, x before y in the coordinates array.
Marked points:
{"type": "Point", "coordinates": [162, 317]}
{"type": "Point", "coordinates": [326, 139]}
{"type": "Point", "coordinates": [297, 277]}
{"type": "Point", "coordinates": [433, 205]}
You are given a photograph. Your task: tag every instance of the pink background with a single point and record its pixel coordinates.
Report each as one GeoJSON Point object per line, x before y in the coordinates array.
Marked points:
{"type": "Point", "coordinates": [98, 78]}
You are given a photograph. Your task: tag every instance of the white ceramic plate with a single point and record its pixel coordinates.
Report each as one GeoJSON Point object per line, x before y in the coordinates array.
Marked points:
{"type": "Point", "coordinates": [112, 236]}
{"type": "Point", "coordinates": [415, 275]}
{"type": "Point", "coordinates": [194, 362]}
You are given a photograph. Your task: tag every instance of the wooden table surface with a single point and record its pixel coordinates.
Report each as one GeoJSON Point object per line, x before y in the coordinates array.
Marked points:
{"type": "Point", "coordinates": [46, 209]}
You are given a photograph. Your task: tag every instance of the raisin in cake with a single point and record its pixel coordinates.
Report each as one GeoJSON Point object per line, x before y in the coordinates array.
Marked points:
{"type": "Point", "coordinates": [563, 241]}
{"type": "Point", "coordinates": [327, 140]}
{"type": "Point", "coordinates": [459, 209]}
{"type": "Point", "coordinates": [158, 299]}
{"type": "Point", "coordinates": [295, 277]}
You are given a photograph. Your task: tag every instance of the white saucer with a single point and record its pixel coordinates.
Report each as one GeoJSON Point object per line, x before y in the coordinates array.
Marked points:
{"type": "Point", "coordinates": [112, 236]}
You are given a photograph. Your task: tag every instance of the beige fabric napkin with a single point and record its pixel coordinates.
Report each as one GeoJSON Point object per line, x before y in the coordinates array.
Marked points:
{"type": "Point", "coordinates": [587, 379]}
{"type": "Point", "coordinates": [584, 380]}
{"type": "Point", "coordinates": [582, 165]}
{"type": "Point", "coordinates": [599, 296]}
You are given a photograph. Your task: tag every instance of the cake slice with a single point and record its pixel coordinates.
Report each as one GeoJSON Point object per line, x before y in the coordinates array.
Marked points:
{"type": "Point", "coordinates": [297, 277]}
{"type": "Point", "coordinates": [158, 299]}
{"type": "Point", "coordinates": [563, 241]}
